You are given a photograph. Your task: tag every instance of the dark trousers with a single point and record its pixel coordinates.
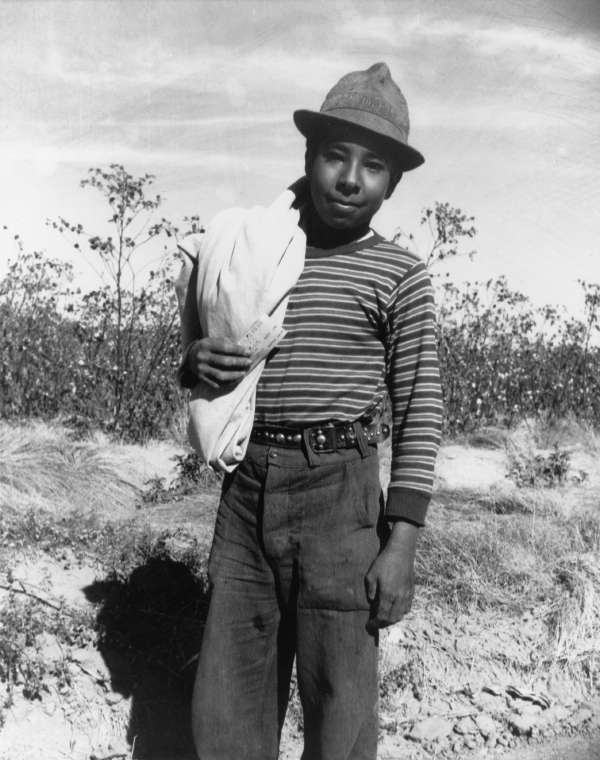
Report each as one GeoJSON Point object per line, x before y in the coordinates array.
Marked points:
{"type": "Point", "coordinates": [292, 545]}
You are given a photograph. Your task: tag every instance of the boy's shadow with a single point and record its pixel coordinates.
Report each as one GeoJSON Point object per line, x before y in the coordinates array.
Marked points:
{"type": "Point", "coordinates": [151, 627]}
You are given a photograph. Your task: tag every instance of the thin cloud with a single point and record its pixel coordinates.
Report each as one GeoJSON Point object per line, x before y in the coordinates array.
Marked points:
{"type": "Point", "coordinates": [576, 53]}
{"type": "Point", "coordinates": [48, 157]}
{"type": "Point", "coordinates": [497, 116]}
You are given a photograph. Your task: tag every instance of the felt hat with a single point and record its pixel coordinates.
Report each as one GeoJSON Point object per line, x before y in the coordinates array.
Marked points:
{"type": "Point", "coordinates": [369, 99]}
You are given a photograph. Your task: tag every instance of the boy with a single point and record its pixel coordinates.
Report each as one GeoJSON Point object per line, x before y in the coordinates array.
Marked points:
{"type": "Point", "coordinates": [306, 561]}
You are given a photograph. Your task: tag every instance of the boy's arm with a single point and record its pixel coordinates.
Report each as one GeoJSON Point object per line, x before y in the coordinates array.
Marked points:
{"type": "Point", "coordinates": [415, 393]}
{"type": "Point", "coordinates": [416, 397]}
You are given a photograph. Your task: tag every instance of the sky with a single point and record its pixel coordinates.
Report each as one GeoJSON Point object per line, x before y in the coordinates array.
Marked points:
{"type": "Point", "coordinates": [504, 99]}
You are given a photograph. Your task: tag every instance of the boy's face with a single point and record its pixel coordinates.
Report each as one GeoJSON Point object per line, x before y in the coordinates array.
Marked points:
{"type": "Point", "coordinates": [350, 174]}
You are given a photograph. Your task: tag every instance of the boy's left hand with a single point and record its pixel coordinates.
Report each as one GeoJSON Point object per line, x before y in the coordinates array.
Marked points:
{"type": "Point", "coordinates": [390, 581]}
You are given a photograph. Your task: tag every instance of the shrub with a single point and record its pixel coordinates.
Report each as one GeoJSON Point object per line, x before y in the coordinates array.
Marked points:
{"type": "Point", "coordinates": [107, 359]}
{"type": "Point", "coordinates": [539, 469]}
{"type": "Point", "coordinates": [192, 473]}
{"type": "Point", "coordinates": [503, 360]}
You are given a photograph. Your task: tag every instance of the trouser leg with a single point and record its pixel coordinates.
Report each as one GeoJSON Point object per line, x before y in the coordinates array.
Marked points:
{"type": "Point", "coordinates": [234, 707]}
{"type": "Point", "coordinates": [334, 511]}
{"type": "Point", "coordinates": [337, 681]}
{"type": "Point", "coordinates": [243, 674]}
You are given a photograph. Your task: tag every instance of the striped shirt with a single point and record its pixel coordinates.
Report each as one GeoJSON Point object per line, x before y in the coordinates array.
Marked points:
{"type": "Point", "coordinates": [361, 320]}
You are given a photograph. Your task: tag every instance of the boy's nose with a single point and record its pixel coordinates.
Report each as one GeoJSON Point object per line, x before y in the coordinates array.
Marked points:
{"type": "Point", "coordinates": [348, 180]}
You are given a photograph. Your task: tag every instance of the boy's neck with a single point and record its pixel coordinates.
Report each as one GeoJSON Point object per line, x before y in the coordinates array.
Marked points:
{"type": "Point", "coordinates": [320, 235]}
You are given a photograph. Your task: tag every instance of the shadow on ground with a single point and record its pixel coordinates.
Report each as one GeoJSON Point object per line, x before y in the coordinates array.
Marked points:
{"type": "Point", "coordinates": [150, 628]}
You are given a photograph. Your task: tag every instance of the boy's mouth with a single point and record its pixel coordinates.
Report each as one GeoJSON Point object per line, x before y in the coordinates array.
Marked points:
{"type": "Point", "coordinates": [342, 204]}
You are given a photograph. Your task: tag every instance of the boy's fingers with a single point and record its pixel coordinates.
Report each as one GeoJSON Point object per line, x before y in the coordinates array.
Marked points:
{"type": "Point", "coordinates": [226, 346]}
{"type": "Point", "coordinates": [384, 613]}
{"type": "Point", "coordinates": [223, 376]}
{"type": "Point", "coordinates": [226, 361]}
{"type": "Point", "coordinates": [385, 608]}
{"type": "Point", "coordinates": [210, 382]}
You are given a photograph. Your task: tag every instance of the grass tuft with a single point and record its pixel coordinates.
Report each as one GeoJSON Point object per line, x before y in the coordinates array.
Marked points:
{"type": "Point", "coordinates": [573, 618]}
{"type": "Point", "coordinates": [45, 462]}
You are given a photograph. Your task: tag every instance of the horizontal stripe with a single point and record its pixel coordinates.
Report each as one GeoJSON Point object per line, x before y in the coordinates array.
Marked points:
{"type": "Point", "coordinates": [360, 320]}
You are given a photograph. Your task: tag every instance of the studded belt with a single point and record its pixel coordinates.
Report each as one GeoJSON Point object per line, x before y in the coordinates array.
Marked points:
{"type": "Point", "coordinates": [321, 438]}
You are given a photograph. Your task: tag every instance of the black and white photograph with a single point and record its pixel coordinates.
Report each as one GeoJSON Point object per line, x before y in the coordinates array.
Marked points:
{"type": "Point", "coordinates": [299, 380]}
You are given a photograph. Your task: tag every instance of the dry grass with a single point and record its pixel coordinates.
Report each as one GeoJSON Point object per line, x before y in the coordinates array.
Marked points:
{"type": "Point", "coordinates": [573, 618]}
{"type": "Point", "coordinates": [526, 559]}
{"type": "Point", "coordinates": [491, 546]}
{"type": "Point", "coordinates": [44, 466]}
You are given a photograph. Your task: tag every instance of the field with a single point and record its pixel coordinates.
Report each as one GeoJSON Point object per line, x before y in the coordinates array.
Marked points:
{"type": "Point", "coordinates": [106, 517]}
{"type": "Point", "coordinates": [103, 595]}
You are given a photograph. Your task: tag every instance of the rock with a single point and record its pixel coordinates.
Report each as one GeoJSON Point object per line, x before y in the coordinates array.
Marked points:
{"type": "Point", "coordinates": [595, 721]}
{"type": "Point", "coordinates": [119, 747]}
{"type": "Point", "coordinates": [412, 707]}
{"type": "Point", "coordinates": [387, 747]}
{"type": "Point", "coordinates": [486, 725]}
{"type": "Point", "coordinates": [49, 706]}
{"type": "Point", "coordinates": [457, 746]}
{"type": "Point", "coordinates": [592, 704]}
{"type": "Point", "coordinates": [431, 729]}
{"type": "Point", "coordinates": [92, 663]}
{"type": "Point", "coordinates": [528, 709]}
{"type": "Point", "coordinates": [85, 689]}
{"type": "Point", "coordinates": [112, 699]}
{"type": "Point", "coordinates": [580, 716]}
{"type": "Point", "coordinates": [487, 702]}
{"type": "Point", "coordinates": [521, 725]}
{"type": "Point", "coordinates": [555, 715]}
{"type": "Point", "coordinates": [48, 648]}
{"type": "Point", "coordinates": [470, 742]}
{"type": "Point", "coordinates": [466, 726]}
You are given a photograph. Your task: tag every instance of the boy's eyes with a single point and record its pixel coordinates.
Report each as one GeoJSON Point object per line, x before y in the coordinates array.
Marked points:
{"type": "Point", "coordinates": [372, 164]}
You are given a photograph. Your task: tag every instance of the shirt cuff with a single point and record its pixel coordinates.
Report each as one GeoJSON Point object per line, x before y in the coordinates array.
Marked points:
{"type": "Point", "coordinates": [406, 504]}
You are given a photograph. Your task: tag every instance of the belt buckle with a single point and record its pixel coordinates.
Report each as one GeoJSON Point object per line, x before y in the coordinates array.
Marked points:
{"type": "Point", "coordinates": [322, 438]}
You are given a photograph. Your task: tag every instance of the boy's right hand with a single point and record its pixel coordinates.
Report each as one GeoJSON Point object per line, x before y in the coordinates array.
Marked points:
{"type": "Point", "coordinates": [218, 362]}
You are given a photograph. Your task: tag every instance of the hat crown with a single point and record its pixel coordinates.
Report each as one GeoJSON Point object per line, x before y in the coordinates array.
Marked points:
{"type": "Point", "coordinates": [373, 91]}
{"type": "Point", "coordinates": [370, 100]}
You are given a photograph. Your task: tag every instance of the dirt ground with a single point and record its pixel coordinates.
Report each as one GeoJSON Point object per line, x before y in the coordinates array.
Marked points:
{"type": "Point", "coordinates": [114, 702]}
{"type": "Point", "coordinates": [565, 748]}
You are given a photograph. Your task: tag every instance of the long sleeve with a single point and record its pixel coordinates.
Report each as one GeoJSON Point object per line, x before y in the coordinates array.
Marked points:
{"type": "Point", "coordinates": [414, 385]}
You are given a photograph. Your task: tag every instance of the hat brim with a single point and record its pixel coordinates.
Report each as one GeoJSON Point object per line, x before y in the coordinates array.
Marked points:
{"type": "Point", "coordinates": [309, 122]}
